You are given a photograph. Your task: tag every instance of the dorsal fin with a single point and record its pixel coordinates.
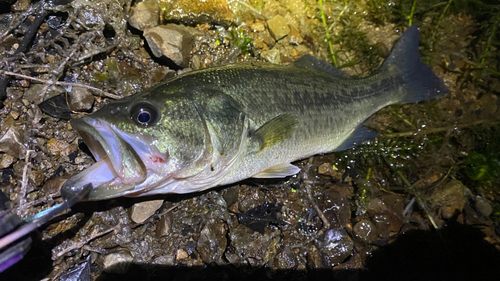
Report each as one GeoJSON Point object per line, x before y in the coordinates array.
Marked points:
{"type": "Point", "coordinates": [309, 61]}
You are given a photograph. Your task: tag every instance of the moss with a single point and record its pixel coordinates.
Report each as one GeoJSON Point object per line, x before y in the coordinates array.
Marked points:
{"type": "Point", "coordinates": [240, 39]}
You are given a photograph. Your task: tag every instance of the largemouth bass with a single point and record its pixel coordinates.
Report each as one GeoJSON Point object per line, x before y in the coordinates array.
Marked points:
{"type": "Point", "coordinates": [221, 125]}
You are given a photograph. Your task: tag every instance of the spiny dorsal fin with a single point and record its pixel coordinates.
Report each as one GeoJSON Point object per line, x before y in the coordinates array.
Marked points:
{"type": "Point", "coordinates": [309, 61]}
{"type": "Point", "coordinates": [274, 131]}
{"type": "Point", "coordinates": [279, 171]}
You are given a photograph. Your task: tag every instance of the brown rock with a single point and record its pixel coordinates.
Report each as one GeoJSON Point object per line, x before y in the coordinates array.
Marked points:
{"type": "Point", "coordinates": [278, 27]}
{"type": "Point", "coordinates": [145, 14]}
{"type": "Point", "coordinates": [172, 41]}
{"type": "Point", "coordinates": [141, 211]}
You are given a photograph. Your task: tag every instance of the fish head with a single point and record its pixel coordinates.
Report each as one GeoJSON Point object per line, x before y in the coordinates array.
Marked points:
{"type": "Point", "coordinates": [139, 143]}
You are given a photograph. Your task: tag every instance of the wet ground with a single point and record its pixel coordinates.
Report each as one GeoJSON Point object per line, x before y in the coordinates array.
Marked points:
{"type": "Point", "coordinates": [421, 201]}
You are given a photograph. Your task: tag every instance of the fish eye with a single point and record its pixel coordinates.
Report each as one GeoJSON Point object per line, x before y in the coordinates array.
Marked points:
{"type": "Point", "coordinates": [144, 115]}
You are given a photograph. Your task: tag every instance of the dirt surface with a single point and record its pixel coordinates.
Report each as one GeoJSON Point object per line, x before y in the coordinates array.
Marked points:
{"type": "Point", "coordinates": [421, 201]}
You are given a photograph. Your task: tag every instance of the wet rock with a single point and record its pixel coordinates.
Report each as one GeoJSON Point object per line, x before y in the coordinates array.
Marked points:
{"type": "Point", "coordinates": [328, 169]}
{"type": "Point", "coordinates": [164, 225]}
{"type": "Point", "coordinates": [258, 26]}
{"type": "Point", "coordinates": [6, 160]}
{"type": "Point", "coordinates": [286, 259]}
{"type": "Point", "coordinates": [365, 230]}
{"type": "Point", "coordinates": [13, 138]}
{"type": "Point", "coordinates": [79, 272]}
{"type": "Point", "coordinates": [272, 56]}
{"type": "Point", "coordinates": [142, 211]}
{"type": "Point", "coordinates": [56, 107]}
{"type": "Point", "coordinates": [212, 242]}
{"type": "Point", "coordinates": [294, 36]}
{"type": "Point", "coordinates": [249, 247]}
{"type": "Point", "coordinates": [118, 262]}
{"type": "Point", "coordinates": [483, 206]}
{"type": "Point", "coordinates": [14, 114]}
{"type": "Point", "coordinates": [53, 185]}
{"type": "Point", "coordinates": [314, 259]}
{"type": "Point", "coordinates": [59, 147]}
{"type": "Point", "coordinates": [336, 208]}
{"type": "Point", "coordinates": [336, 246]}
{"type": "Point", "coordinates": [449, 198]}
{"type": "Point", "coordinates": [250, 197]}
{"type": "Point", "coordinates": [172, 41]}
{"type": "Point", "coordinates": [20, 5]}
{"type": "Point", "coordinates": [278, 27]}
{"type": "Point", "coordinates": [80, 99]}
{"type": "Point", "coordinates": [192, 12]}
{"type": "Point", "coordinates": [145, 14]}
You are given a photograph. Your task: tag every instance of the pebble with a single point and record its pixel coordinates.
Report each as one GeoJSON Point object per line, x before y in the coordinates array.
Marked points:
{"type": "Point", "coordinates": [294, 36]}
{"type": "Point", "coordinates": [272, 56]}
{"type": "Point", "coordinates": [212, 242]}
{"type": "Point", "coordinates": [449, 198]}
{"type": "Point", "coordinates": [278, 27]}
{"type": "Point", "coordinates": [142, 211]}
{"type": "Point", "coordinates": [118, 262]}
{"type": "Point", "coordinates": [191, 12]}
{"type": "Point", "coordinates": [172, 41]}
{"type": "Point", "coordinates": [145, 14]}
{"type": "Point", "coordinates": [164, 225]}
{"type": "Point", "coordinates": [14, 114]}
{"type": "Point", "coordinates": [483, 206]}
{"type": "Point", "coordinates": [181, 254]}
{"type": "Point", "coordinates": [80, 99]}
{"type": "Point", "coordinates": [59, 147]}
{"type": "Point", "coordinates": [6, 160]}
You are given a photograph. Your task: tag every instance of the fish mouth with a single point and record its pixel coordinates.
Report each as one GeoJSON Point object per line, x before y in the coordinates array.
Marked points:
{"type": "Point", "coordinates": [123, 160]}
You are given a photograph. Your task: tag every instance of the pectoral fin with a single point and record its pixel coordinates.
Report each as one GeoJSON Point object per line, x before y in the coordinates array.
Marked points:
{"type": "Point", "coordinates": [274, 131]}
{"type": "Point", "coordinates": [280, 171]}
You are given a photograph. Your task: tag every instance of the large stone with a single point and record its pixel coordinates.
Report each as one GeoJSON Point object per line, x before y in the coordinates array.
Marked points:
{"type": "Point", "coordinates": [278, 27]}
{"type": "Point", "coordinates": [80, 99]}
{"type": "Point", "coordinates": [145, 14]}
{"type": "Point", "coordinates": [194, 12]}
{"type": "Point", "coordinates": [142, 211]}
{"type": "Point", "coordinates": [172, 41]}
{"type": "Point", "coordinates": [118, 262]}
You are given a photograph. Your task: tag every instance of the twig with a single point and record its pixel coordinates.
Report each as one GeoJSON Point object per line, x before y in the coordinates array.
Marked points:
{"type": "Point", "coordinates": [441, 129]}
{"type": "Point", "coordinates": [326, 223]}
{"type": "Point", "coordinates": [61, 83]}
{"type": "Point", "coordinates": [24, 182]}
{"type": "Point", "coordinates": [80, 244]}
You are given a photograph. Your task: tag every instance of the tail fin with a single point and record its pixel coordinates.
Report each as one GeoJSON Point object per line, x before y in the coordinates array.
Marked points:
{"type": "Point", "coordinates": [420, 82]}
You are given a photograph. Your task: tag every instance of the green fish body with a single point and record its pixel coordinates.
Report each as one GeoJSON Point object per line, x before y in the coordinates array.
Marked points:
{"type": "Point", "coordinates": [221, 125]}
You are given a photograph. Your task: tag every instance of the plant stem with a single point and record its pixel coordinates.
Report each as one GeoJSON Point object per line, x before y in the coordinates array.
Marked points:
{"type": "Point", "coordinates": [327, 33]}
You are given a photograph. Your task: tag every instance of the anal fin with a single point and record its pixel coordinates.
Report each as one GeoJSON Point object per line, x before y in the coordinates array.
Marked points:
{"type": "Point", "coordinates": [359, 134]}
{"type": "Point", "coordinates": [279, 171]}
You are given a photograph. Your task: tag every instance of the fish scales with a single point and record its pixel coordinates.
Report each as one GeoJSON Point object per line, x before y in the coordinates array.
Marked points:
{"type": "Point", "coordinates": [220, 125]}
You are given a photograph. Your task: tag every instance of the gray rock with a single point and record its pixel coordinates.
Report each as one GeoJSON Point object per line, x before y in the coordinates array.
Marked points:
{"type": "Point", "coordinates": [212, 242]}
{"type": "Point", "coordinates": [278, 27]}
{"type": "Point", "coordinates": [145, 14]}
{"type": "Point", "coordinates": [142, 211]}
{"type": "Point", "coordinates": [80, 99]}
{"type": "Point", "coordinates": [172, 41]}
{"type": "Point", "coordinates": [118, 262]}
{"type": "Point", "coordinates": [336, 246]}
{"type": "Point", "coordinates": [483, 206]}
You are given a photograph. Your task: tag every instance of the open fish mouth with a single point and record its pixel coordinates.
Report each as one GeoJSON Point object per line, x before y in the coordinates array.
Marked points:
{"type": "Point", "coordinates": [123, 160]}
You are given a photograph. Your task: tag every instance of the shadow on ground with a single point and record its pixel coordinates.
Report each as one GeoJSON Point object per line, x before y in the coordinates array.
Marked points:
{"type": "Point", "coordinates": [456, 252]}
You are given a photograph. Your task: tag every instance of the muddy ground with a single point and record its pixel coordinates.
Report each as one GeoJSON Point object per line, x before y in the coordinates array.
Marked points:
{"type": "Point", "coordinates": [419, 202]}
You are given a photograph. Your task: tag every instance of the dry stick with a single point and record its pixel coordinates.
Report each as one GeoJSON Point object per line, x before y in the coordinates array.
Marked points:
{"type": "Point", "coordinates": [24, 181]}
{"type": "Point", "coordinates": [61, 83]}
{"type": "Point", "coordinates": [440, 129]}
{"type": "Point", "coordinates": [80, 244]}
